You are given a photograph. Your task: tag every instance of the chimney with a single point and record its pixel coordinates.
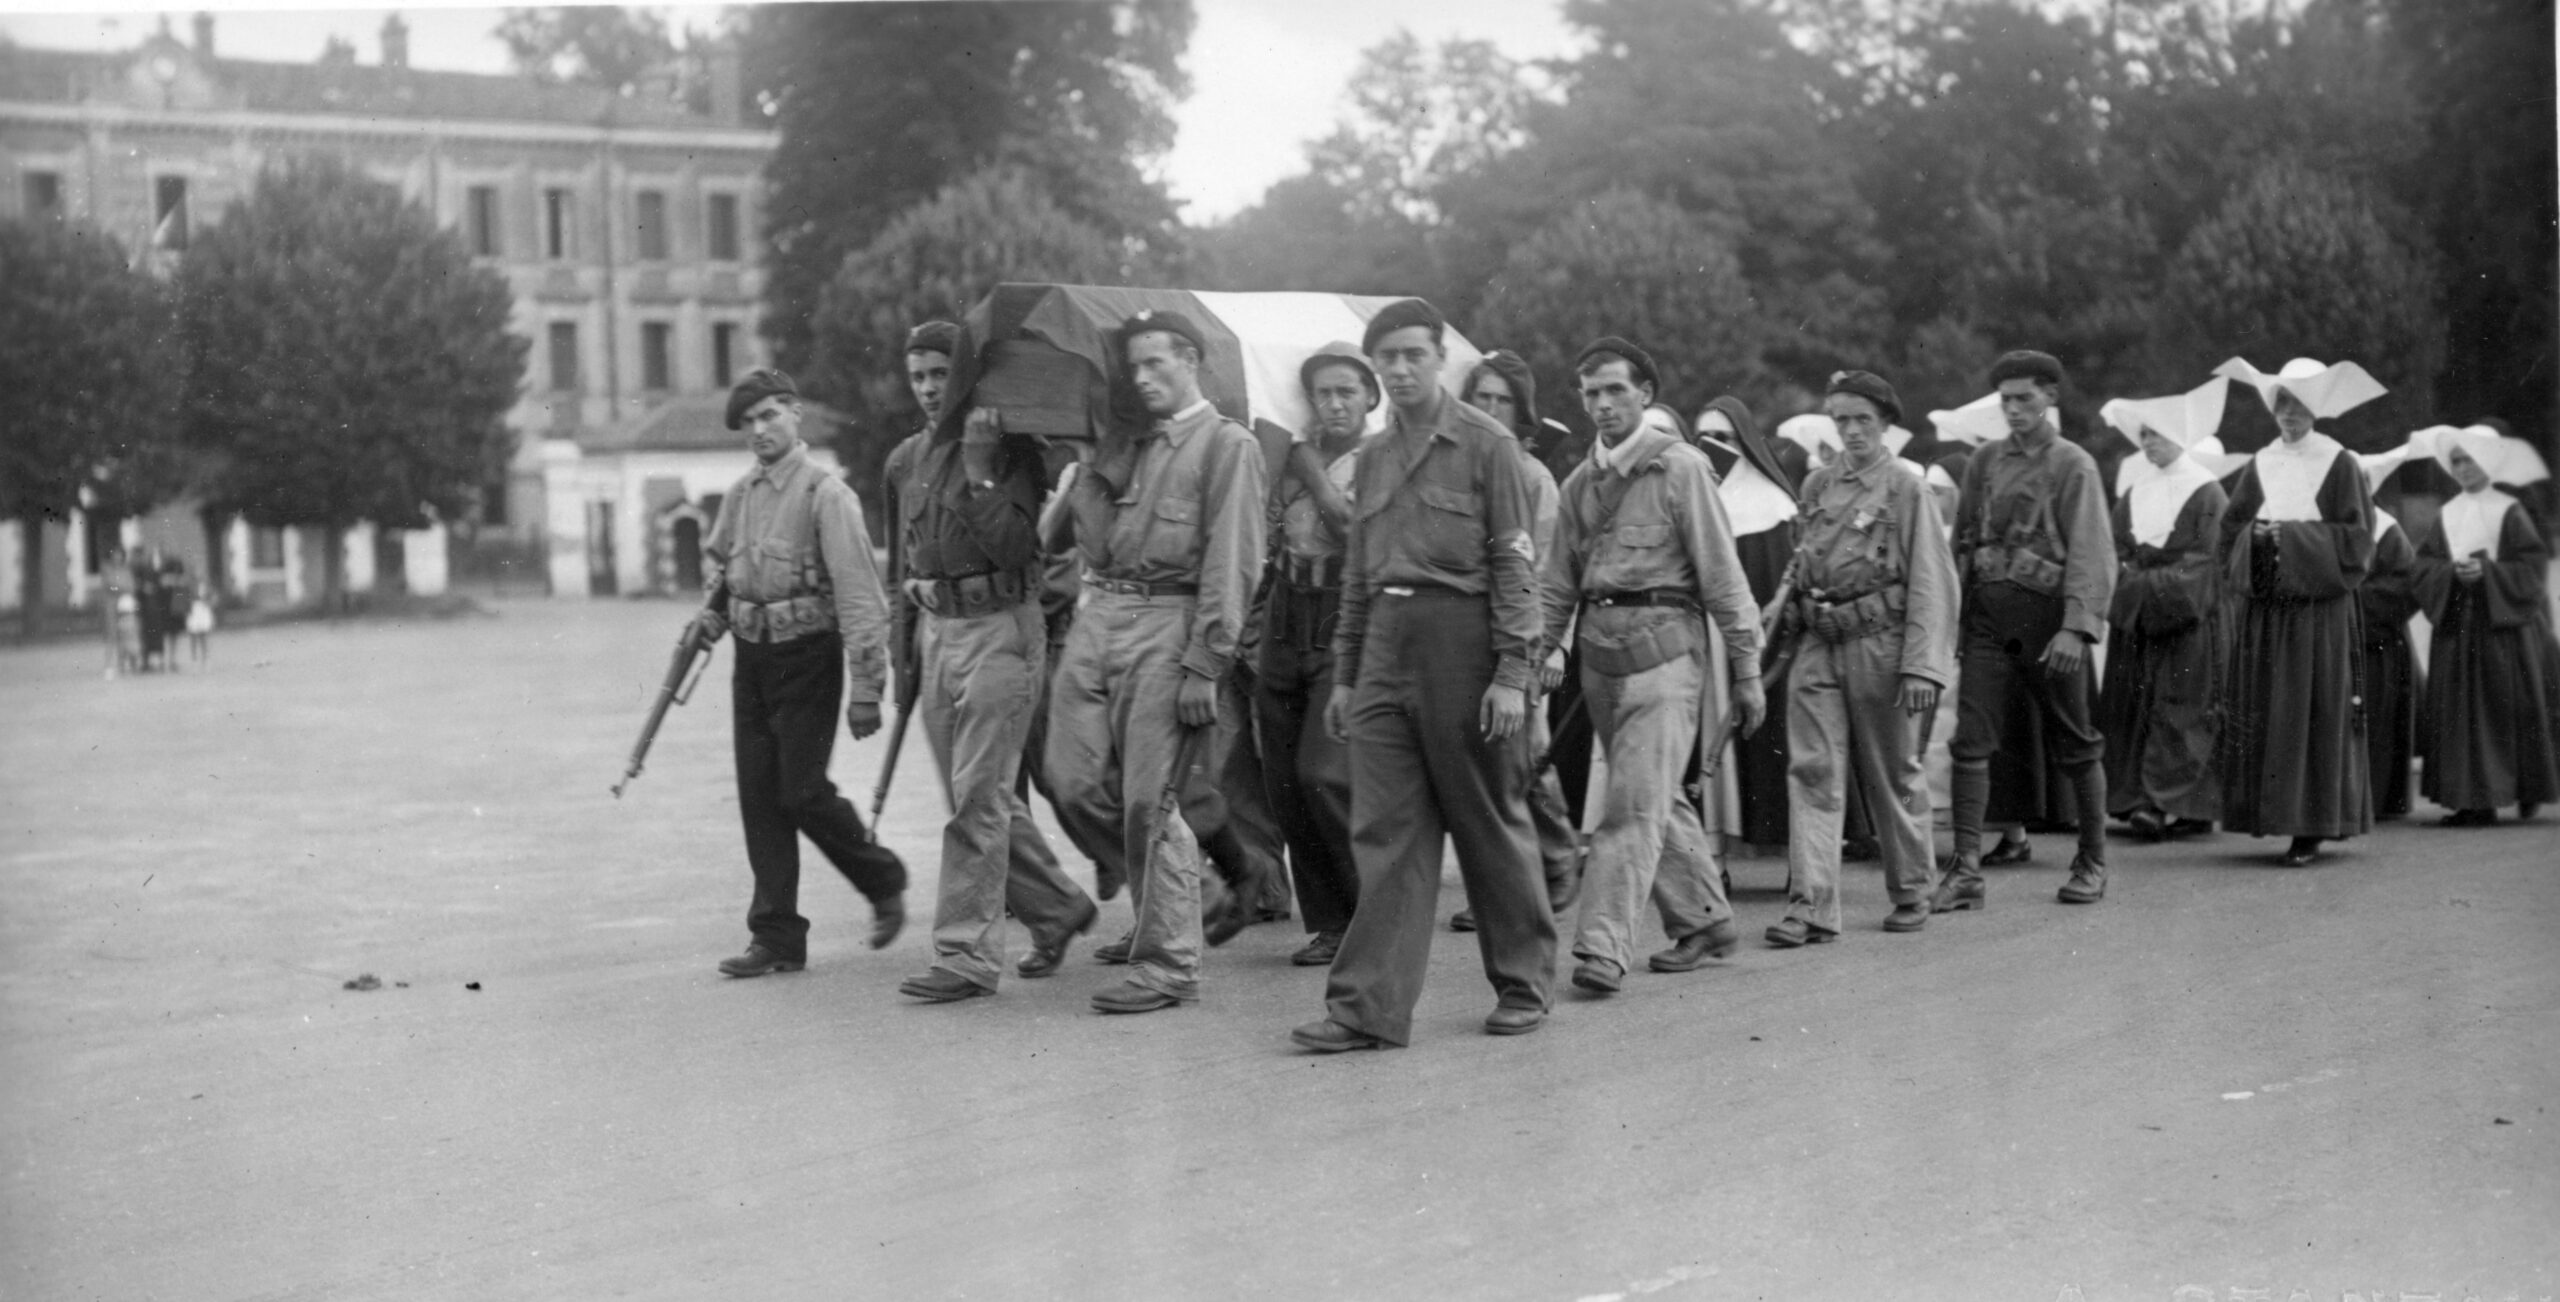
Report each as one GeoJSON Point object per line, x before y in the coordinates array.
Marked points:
{"type": "Point", "coordinates": [204, 35]}
{"type": "Point", "coordinates": [728, 83]}
{"type": "Point", "coordinates": [395, 42]}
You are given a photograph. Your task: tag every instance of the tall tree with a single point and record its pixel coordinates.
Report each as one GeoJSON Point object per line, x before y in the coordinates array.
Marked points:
{"type": "Point", "coordinates": [594, 45]}
{"type": "Point", "coordinates": [91, 364]}
{"type": "Point", "coordinates": [881, 105]}
{"type": "Point", "coordinates": [349, 361]}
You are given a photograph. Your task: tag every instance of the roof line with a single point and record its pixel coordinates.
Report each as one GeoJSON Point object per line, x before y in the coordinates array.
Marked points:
{"type": "Point", "coordinates": [743, 138]}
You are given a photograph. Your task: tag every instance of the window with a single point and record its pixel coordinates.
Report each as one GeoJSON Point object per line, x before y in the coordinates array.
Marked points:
{"type": "Point", "coordinates": [266, 548]}
{"type": "Point", "coordinates": [652, 222]}
{"type": "Point", "coordinates": [655, 371]}
{"type": "Point", "coordinates": [559, 224]}
{"type": "Point", "coordinates": [483, 217]}
{"type": "Point", "coordinates": [724, 354]}
{"type": "Point", "coordinates": [42, 192]}
{"type": "Point", "coordinates": [564, 356]}
{"type": "Point", "coordinates": [169, 213]}
{"type": "Point", "coordinates": [493, 501]}
{"type": "Point", "coordinates": [724, 228]}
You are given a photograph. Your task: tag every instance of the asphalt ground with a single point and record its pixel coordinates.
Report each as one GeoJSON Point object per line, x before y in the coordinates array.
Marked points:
{"type": "Point", "coordinates": [2334, 1082]}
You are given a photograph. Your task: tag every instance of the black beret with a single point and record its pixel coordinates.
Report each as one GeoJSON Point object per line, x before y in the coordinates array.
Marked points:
{"type": "Point", "coordinates": [1154, 320]}
{"type": "Point", "coordinates": [1870, 386]}
{"type": "Point", "coordinates": [1337, 353]}
{"type": "Point", "coordinates": [934, 337]}
{"type": "Point", "coordinates": [759, 385]}
{"type": "Point", "coordinates": [1638, 360]}
{"type": "Point", "coordinates": [2027, 364]}
{"type": "Point", "coordinates": [1403, 314]}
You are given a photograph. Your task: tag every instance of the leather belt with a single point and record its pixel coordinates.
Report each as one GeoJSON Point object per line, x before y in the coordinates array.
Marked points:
{"type": "Point", "coordinates": [1680, 597]}
{"type": "Point", "coordinates": [970, 595]}
{"type": "Point", "coordinates": [1424, 590]}
{"type": "Point", "coordinates": [1310, 571]}
{"type": "Point", "coordinates": [1133, 588]}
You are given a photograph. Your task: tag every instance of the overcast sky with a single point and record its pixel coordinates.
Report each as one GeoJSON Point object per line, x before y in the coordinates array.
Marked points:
{"type": "Point", "coordinates": [1267, 75]}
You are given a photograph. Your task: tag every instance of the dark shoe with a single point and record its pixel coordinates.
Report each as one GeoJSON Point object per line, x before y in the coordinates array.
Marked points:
{"type": "Point", "coordinates": [1792, 932]}
{"type": "Point", "coordinates": [939, 987]}
{"type": "Point", "coordinates": [1235, 912]}
{"type": "Point", "coordinates": [1117, 952]}
{"type": "Point", "coordinates": [1957, 894]}
{"type": "Point", "coordinates": [1513, 1021]}
{"type": "Point", "coordinates": [2526, 811]}
{"type": "Point", "coordinates": [1330, 1036]}
{"type": "Point", "coordinates": [2467, 818]}
{"type": "Point", "coordinates": [2148, 823]}
{"type": "Point", "coordinates": [2009, 854]}
{"type": "Point", "coordinates": [1599, 976]}
{"type": "Point", "coordinates": [2301, 853]}
{"type": "Point", "coordinates": [1907, 917]}
{"type": "Point", "coordinates": [1130, 997]}
{"type": "Point", "coordinates": [1269, 914]}
{"type": "Point", "coordinates": [1319, 950]}
{"type": "Point", "coordinates": [1860, 849]}
{"type": "Point", "coordinates": [1463, 920]}
{"type": "Point", "coordinates": [2186, 827]}
{"type": "Point", "coordinates": [1106, 883]}
{"type": "Point", "coordinates": [1697, 947]}
{"type": "Point", "coordinates": [757, 961]}
{"type": "Point", "coordinates": [888, 918]}
{"type": "Point", "coordinates": [1049, 949]}
{"type": "Point", "coordinates": [2088, 883]}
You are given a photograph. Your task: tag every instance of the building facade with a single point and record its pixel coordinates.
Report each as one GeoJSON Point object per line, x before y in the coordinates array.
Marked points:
{"type": "Point", "coordinates": [625, 226]}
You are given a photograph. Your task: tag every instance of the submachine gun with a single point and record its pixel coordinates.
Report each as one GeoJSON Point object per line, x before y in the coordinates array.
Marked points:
{"type": "Point", "coordinates": [684, 671]}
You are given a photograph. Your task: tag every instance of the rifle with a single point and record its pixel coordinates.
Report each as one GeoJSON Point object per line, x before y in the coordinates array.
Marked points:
{"type": "Point", "coordinates": [889, 766]}
{"type": "Point", "coordinates": [684, 671]}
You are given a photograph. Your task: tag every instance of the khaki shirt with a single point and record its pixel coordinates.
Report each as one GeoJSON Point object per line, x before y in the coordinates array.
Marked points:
{"type": "Point", "coordinates": [1190, 512]}
{"type": "Point", "coordinates": [1445, 506]}
{"type": "Point", "coordinates": [1669, 531]}
{"type": "Point", "coordinates": [790, 540]}
{"type": "Point", "coordinates": [2046, 499]}
{"type": "Point", "coordinates": [1863, 531]}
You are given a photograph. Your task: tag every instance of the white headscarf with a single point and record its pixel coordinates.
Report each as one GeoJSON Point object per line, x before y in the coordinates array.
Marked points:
{"type": "Point", "coordinates": [2154, 495]}
{"type": "Point", "coordinates": [2378, 468]}
{"type": "Point", "coordinates": [1813, 432]}
{"type": "Point", "coordinates": [2328, 389]}
{"type": "Point", "coordinates": [2473, 520]}
{"type": "Point", "coordinates": [1973, 424]}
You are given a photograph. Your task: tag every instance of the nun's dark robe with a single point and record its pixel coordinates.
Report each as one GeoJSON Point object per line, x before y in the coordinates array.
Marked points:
{"type": "Point", "coordinates": [2158, 706]}
{"type": "Point", "coordinates": [1760, 760]}
{"type": "Point", "coordinates": [2292, 752]}
{"type": "Point", "coordinates": [2490, 737]}
{"type": "Point", "coordinates": [2387, 600]}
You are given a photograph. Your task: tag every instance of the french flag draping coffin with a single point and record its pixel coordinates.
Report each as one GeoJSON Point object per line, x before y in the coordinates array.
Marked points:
{"type": "Point", "coordinates": [1040, 354]}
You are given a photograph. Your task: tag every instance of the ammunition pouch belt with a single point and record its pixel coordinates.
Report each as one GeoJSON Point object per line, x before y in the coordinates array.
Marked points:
{"type": "Point", "coordinates": [972, 595]}
{"type": "Point", "coordinates": [1311, 572]}
{"type": "Point", "coordinates": [1682, 598]}
{"type": "Point", "coordinates": [1847, 621]}
{"type": "Point", "coordinates": [780, 621]}
{"type": "Point", "coordinates": [1619, 652]}
{"type": "Point", "coordinates": [2018, 566]}
{"type": "Point", "coordinates": [1132, 588]}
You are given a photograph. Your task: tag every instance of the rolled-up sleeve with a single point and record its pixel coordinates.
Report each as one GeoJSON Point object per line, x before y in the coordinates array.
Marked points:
{"type": "Point", "coordinates": [1230, 552]}
{"type": "Point", "coordinates": [853, 574]}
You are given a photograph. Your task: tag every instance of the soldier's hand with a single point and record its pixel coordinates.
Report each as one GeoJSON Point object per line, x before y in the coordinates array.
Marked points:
{"type": "Point", "coordinates": [1750, 704]}
{"type": "Point", "coordinates": [1337, 714]}
{"type": "Point", "coordinates": [1919, 695]}
{"type": "Point", "coordinates": [863, 717]}
{"type": "Point", "coordinates": [709, 626]}
{"type": "Point", "coordinates": [1551, 674]}
{"type": "Point", "coordinates": [978, 437]}
{"type": "Point", "coordinates": [1197, 706]}
{"type": "Point", "coordinates": [1502, 711]}
{"type": "Point", "coordinates": [2065, 652]}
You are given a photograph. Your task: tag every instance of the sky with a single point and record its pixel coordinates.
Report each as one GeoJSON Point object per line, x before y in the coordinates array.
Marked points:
{"type": "Point", "coordinates": [1267, 75]}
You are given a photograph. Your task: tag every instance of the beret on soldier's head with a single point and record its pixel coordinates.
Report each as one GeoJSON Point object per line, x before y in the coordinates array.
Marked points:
{"type": "Point", "coordinates": [2028, 364]}
{"type": "Point", "coordinates": [760, 384]}
{"type": "Point", "coordinates": [1639, 362]}
{"type": "Point", "coordinates": [1403, 314]}
{"type": "Point", "coordinates": [1153, 321]}
{"type": "Point", "coordinates": [1870, 386]}
{"type": "Point", "coordinates": [934, 337]}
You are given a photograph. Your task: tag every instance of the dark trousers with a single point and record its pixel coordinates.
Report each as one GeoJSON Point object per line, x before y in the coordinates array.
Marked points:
{"type": "Point", "coordinates": [1423, 771]}
{"type": "Point", "coordinates": [1306, 775]}
{"type": "Point", "coordinates": [2006, 630]}
{"type": "Point", "coordinates": [784, 697]}
{"type": "Point", "coordinates": [1570, 742]}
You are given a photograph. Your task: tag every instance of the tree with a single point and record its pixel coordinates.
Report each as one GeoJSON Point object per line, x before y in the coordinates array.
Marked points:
{"type": "Point", "coordinates": [2298, 264]}
{"type": "Point", "coordinates": [1626, 264]}
{"type": "Point", "coordinates": [933, 262]}
{"type": "Point", "coordinates": [349, 362]}
{"type": "Point", "coordinates": [91, 365]}
{"type": "Point", "coordinates": [592, 45]}
{"type": "Point", "coordinates": [882, 105]}
{"type": "Point", "coordinates": [1415, 121]}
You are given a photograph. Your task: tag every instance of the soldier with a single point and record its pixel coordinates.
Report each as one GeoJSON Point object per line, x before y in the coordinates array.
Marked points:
{"type": "Point", "coordinates": [1432, 658]}
{"type": "Point", "coordinates": [1169, 527]}
{"type": "Point", "coordinates": [1875, 604]}
{"type": "Point", "coordinates": [1305, 771]}
{"type": "Point", "coordinates": [972, 648]}
{"type": "Point", "coordinates": [2038, 560]}
{"type": "Point", "coordinates": [1643, 558]}
{"type": "Point", "coordinates": [791, 555]}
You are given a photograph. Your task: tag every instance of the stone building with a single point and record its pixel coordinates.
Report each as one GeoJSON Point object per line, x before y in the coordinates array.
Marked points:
{"type": "Point", "coordinates": [626, 226]}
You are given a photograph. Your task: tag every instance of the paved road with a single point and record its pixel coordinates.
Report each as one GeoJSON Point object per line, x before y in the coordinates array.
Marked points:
{"type": "Point", "coordinates": [2227, 1077]}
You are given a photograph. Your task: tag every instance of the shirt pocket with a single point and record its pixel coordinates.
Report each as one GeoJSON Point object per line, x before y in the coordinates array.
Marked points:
{"type": "Point", "coordinates": [1173, 533]}
{"type": "Point", "coordinates": [1452, 532]}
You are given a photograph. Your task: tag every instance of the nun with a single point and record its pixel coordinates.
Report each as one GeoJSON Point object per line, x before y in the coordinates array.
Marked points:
{"type": "Point", "coordinates": [2164, 654]}
{"type": "Point", "coordinates": [2297, 541]}
{"type": "Point", "coordinates": [2490, 736]}
{"type": "Point", "coordinates": [2385, 603]}
{"type": "Point", "coordinates": [1759, 500]}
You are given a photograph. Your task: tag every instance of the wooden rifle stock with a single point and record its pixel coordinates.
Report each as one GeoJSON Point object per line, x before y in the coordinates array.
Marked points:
{"type": "Point", "coordinates": [684, 671]}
